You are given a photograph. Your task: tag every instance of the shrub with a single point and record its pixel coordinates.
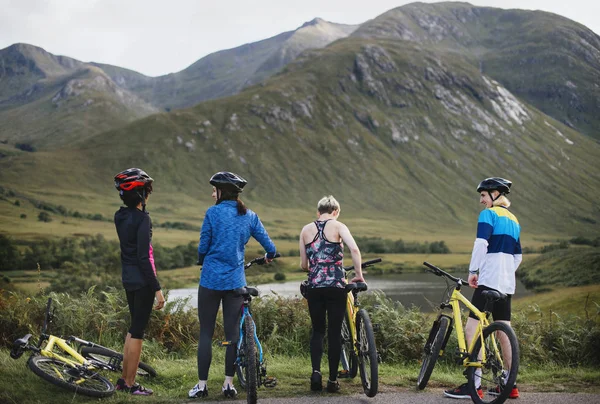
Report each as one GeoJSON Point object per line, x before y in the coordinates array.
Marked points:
{"type": "Point", "coordinates": [279, 276]}
{"type": "Point", "coordinates": [25, 147]}
{"type": "Point", "coordinates": [44, 217]}
{"type": "Point", "coordinates": [23, 216]}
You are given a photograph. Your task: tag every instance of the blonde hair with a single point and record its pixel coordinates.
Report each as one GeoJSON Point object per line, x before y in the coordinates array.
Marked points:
{"type": "Point", "coordinates": [501, 201]}
{"type": "Point", "coordinates": [328, 204]}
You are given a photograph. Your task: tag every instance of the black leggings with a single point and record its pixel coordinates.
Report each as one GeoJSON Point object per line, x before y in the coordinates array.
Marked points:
{"type": "Point", "coordinates": [140, 303]}
{"type": "Point", "coordinates": [208, 307]}
{"type": "Point", "coordinates": [330, 301]}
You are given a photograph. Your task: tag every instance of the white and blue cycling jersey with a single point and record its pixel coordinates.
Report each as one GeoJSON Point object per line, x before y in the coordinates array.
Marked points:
{"type": "Point", "coordinates": [497, 251]}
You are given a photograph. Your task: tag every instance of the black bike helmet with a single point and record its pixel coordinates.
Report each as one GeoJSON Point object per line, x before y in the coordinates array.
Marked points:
{"type": "Point", "coordinates": [227, 181]}
{"type": "Point", "coordinates": [131, 179]}
{"type": "Point", "coordinates": [495, 183]}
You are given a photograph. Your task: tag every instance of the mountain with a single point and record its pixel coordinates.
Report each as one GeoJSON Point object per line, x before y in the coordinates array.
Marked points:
{"type": "Point", "coordinates": [226, 72]}
{"type": "Point", "coordinates": [547, 60]}
{"type": "Point", "coordinates": [390, 127]}
{"type": "Point", "coordinates": [50, 101]}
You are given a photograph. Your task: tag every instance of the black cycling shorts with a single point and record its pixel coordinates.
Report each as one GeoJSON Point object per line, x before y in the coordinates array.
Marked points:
{"type": "Point", "coordinates": [500, 310]}
{"type": "Point", "coordinates": [140, 303]}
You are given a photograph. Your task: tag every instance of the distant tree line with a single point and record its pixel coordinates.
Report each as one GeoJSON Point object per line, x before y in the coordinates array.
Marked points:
{"type": "Point", "coordinates": [93, 251]}
{"type": "Point", "coordinates": [378, 245]}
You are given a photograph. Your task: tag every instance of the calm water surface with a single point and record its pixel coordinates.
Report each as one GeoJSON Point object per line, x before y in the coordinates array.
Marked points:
{"type": "Point", "coordinates": [419, 289]}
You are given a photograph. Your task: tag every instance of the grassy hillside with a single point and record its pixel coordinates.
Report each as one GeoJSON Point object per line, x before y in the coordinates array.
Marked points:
{"type": "Point", "coordinates": [399, 132]}
{"type": "Point", "coordinates": [50, 101]}
{"type": "Point", "coordinates": [543, 58]}
{"type": "Point", "coordinates": [575, 266]}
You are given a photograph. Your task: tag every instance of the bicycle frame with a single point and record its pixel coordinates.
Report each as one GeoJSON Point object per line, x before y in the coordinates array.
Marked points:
{"type": "Point", "coordinates": [454, 303]}
{"type": "Point", "coordinates": [350, 308]}
{"type": "Point", "coordinates": [246, 314]}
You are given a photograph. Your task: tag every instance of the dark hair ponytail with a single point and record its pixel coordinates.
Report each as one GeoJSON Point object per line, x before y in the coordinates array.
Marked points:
{"type": "Point", "coordinates": [231, 196]}
{"type": "Point", "coordinates": [241, 208]}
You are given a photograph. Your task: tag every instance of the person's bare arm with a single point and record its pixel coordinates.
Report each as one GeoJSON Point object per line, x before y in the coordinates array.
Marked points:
{"type": "Point", "coordinates": [354, 251]}
{"type": "Point", "coordinates": [302, 247]}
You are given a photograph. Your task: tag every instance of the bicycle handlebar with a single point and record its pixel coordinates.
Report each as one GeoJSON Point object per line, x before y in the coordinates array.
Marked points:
{"type": "Point", "coordinates": [364, 264]}
{"type": "Point", "coordinates": [439, 272]}
{"type": "Point", "coordinates": [259, 261]}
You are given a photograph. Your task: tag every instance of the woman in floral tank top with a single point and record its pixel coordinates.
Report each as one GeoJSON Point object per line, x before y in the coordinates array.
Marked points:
{"type": "Point", "coordinates": [322, 254]}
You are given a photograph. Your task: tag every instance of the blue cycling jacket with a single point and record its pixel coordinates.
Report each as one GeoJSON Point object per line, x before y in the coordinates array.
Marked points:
{"type": "Point", "coordinates": [223, 239]}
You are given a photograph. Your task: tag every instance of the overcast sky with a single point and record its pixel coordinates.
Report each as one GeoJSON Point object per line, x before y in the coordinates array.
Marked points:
{"type": "Point", "coordinates": [159, 37]}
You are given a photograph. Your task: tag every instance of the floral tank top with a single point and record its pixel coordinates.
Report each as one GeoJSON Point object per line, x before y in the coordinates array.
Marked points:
{"type": "Point", "coordinates": [325, 261]}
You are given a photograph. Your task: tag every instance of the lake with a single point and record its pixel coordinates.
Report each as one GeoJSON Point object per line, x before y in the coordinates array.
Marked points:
{"type": "Point", "coordinates": [421, 289]}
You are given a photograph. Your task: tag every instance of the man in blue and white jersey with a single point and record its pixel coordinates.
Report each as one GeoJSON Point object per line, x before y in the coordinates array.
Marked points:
{"type": "Point", "coordinates": [494, 261]}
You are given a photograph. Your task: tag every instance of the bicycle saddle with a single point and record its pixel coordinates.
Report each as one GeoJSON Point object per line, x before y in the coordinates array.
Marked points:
{"type": "Point", "coordinates": [493, 295]}
{"type": "Point", "coordinates": [245, 291]}
{"type": "Point", "coordinates": [18, 346]}
{"type": "Point", "coordinates": [360, 286]}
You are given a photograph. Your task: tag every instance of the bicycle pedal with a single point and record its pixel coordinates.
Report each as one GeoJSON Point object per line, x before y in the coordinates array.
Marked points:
{"type": "Point", "coordinates": [270, 382]}
{"type": "Point", "coordinates": [344, 374]}
{"type": "Point", "coordinates": [379, 360]}
{"type": "Point", "coordinates": [226, 343]}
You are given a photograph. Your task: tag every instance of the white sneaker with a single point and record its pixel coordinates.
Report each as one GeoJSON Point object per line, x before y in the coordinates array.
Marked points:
{"type": "Point", "coordinates": [196, 392]}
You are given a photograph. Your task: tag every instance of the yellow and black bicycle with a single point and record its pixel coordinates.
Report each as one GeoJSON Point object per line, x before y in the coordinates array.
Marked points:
{"type": "Point", "coordinates": [358, 339]}
{"type": "Point", "coordinates": [492, 357]}
{"type": "Point", "coordinates": [73, 367]}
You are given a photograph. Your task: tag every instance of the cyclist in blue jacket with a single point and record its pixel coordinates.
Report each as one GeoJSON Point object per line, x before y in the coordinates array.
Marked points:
{"type": "Point", "coordinates": [227, 227]}
{"type": "Point", "coordinates": [495, 258]}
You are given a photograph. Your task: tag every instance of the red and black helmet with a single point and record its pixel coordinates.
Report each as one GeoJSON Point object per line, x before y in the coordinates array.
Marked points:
{"type": "Point", "coordinates": [228, 181]}
{"type": "Point", "coordinates": [133, 178]}
{"type": "Point", "coordinates": [495, 183]}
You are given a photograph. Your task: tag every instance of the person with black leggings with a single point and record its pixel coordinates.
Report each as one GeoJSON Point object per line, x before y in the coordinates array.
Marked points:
{"type": "Point", "coordinates": [227, 227]}
{"type": "Point", "coordinates": [137, 269]}
{"type": "Point", "coordinates": [322, 254]}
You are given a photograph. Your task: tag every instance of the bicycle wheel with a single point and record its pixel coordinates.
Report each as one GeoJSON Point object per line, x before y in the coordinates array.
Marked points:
{"type": "Point", "coordinates": [251, 370]}
{"type": "Point", "coordinates": [348, 356]}
{"type": "Point", "coordinates": [431, 351]}
{"type": "Point", "coordinates": [499, 342]}
{"type": "Point", "coordinates": [77, 379]}
{"type": "Point", "coordinates": [367, 354]}
{"type": "Point", "coordinates": [114, 360]}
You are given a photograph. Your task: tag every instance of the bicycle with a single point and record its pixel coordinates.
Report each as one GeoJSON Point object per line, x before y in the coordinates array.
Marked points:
{"type": "Point", "coordinates": [358, 338]}
{"type": "Point", "coordinates": [251, 368]}
{"type": "Point", "coordinates": [493, 337]}
{"type": "Point", "coordinates": [72, 368]}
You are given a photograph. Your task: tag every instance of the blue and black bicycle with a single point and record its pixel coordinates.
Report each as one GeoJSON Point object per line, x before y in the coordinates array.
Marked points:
{"type": "Point", "coordinates": [251, 368]}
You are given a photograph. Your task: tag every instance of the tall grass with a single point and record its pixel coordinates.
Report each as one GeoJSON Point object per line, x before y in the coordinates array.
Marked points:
{"type": "Point", "coordinates": [283, 326]}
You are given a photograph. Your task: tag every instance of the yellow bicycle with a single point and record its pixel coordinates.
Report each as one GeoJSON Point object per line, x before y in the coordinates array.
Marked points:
{"type": "Point", "coordinates": [358, 339]}
{"type": "Point", "coordinates": [74, 368]}
{"type": "Point", "coordinates": [492, 357]}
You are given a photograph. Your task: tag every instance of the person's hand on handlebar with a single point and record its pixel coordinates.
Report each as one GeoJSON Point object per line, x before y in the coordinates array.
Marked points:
{"type": "Point", "coordinates": [267, 259]}
{"type": "Point", "coordinates": [357, 279]}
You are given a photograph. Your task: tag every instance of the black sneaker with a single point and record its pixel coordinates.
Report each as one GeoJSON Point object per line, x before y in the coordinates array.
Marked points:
{"type": "Point", "coordinates": [195, 392]}
{"type": "Point", "coordinates": [462, 391]}
{"type": "Point", "coordinates": [139, 390]}
{"type": "Point", "coordinates": [229, 392]}
{"type": "Point", "coordinates": [120, 385]}
{"type": "Point", "coordinates": [316, 381]}
{"type": "Point", "coordinates": [333, 387]}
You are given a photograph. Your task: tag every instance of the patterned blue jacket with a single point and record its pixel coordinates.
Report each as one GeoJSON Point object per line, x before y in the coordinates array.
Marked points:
{"type": "Point", "coordinates": [223, 239]}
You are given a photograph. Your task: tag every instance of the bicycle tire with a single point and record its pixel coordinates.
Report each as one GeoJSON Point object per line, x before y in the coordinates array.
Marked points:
{"type": "Point", "coordinates": [367, 354]}
{"type": "Point", "coordinates": [103, 355]}
{"type": "Point", "coordinates": [431, 351]}
{"type": "Point", "coordinates": [251, 371]}
{"type": "Point", "coordinates": [492, 371]}
{"type": "Point", "coordinates": [348, 355]}
{"type": "Point", "coordinates": [63, 375]}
